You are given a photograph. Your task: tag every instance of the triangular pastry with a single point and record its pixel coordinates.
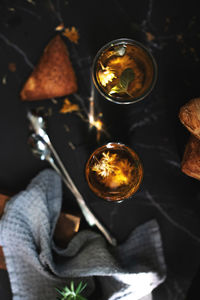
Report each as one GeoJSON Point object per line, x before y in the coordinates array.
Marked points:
{"type": "Point", "coordinates": [53, 76]}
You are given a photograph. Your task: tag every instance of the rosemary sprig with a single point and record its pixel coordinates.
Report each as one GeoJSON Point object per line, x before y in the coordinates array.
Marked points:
{"type": "Point", "coordinates": [71, 293]}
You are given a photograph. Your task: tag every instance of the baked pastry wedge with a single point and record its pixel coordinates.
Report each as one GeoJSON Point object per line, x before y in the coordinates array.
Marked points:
{"type": "Point", "coordinates": [53, 76]}
{"type": "Point", "coordinates": [190, 116]}
{"type": "Point", "coordinates": [191, 159]}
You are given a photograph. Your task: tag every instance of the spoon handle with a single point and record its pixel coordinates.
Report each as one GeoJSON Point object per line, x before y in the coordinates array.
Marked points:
{"type": "Point", "coordinates": [89, 219]}
{"type": "Point", "coordinates": [52, 163]}
{"type": "Point", "coordinates": [89, 216]}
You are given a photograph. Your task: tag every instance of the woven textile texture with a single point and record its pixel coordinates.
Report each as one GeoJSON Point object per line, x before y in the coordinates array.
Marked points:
{"type": "Point", "coordinates": [36, 266]}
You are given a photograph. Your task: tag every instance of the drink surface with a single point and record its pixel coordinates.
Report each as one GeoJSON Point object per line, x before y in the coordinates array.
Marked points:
{"type": "Point", "coordinates": [114, 172]}
{"type": "Point", "coordinates": [125, 72]}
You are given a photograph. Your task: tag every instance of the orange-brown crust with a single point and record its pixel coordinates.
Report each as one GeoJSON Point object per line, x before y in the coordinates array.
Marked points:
{"type": "Point", "coordinates": [53, 76]}
{"type": "Point", "coordinates": [190, 116]}
{"type": "Point", "coordinates": [3, 200]}
{"type": "Point", "coordinates": [67, 226]}
{"type": "Point", "coordinates": [2, 260]}
{"type": "Point", "coordinates": [191, 158]}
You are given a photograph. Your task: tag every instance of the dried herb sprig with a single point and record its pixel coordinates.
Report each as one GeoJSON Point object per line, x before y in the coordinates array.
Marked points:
{"type": "Point", "coordinates": [71, 293]}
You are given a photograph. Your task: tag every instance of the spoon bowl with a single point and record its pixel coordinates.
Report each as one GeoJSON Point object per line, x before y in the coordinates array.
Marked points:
{"type": "Point", "coordinates": [38, 147]}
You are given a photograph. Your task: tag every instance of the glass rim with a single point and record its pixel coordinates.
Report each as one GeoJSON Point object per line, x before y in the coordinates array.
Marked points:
{"type": "Point", "coordinates": [119, 42]}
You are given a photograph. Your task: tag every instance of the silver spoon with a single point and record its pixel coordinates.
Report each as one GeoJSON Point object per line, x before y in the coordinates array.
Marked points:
{"type": "Point", "coordinates": [42, 150]}
{"type": "Point", "coordinates": [38, 125]}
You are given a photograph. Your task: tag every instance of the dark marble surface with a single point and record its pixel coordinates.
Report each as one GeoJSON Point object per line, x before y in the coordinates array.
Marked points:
{"type": "Point", "coordinates": [170, 29]}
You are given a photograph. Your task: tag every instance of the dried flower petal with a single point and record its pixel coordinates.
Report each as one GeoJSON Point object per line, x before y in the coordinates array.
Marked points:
{"type": "Point", "coordinates": [105, 167]}
{"type": "Point", "coordinates": [106, 76]}
{"type": "Point", "coordinates": [72, 34]}
{"type": "Point", "coordinates": [68, 107]}
{"type": "Point", "coordinates": [113, 172]}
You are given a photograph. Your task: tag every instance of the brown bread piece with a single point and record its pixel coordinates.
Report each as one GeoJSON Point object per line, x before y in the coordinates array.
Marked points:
{"type": "Point", "coordinates": [191, 158]}
{"type": "Point", "coordinates": [190, 116]}
{"type": "Point", "coordinates": [53, 76]}
{"type": "Point", "coordinates": [3, 200]}
{"type": "Point", "coordinates": [67, 226]}
{"type": "Point", "coordinates": [2, 259]}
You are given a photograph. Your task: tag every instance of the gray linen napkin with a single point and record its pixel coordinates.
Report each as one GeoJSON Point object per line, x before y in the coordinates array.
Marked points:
{"type": "Point", "coordinates": [36, 265]}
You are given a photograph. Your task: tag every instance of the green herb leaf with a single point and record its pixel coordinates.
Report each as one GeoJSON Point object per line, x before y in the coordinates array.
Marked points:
{"type": "Point", "coordinates": [72, 293]}
{"type": "Point", "coordinates": [80, 287]}
{"type": "Point", "coordinates": [126, 77]}
{"type": "Point", "coordinates": [72, 286]}
{"type": "Point", "coordinates": [66, 290]}
{"type": "Point", "coordinates": [117, 89]}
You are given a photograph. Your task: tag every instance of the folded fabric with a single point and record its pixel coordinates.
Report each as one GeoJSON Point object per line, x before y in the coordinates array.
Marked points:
{"type": "Point", "coordinates": [36, 266]}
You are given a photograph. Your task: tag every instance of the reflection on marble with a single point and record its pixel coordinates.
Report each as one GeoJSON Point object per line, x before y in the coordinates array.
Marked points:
{"type": "Point", "coordinates": [153, 117]}
{"type": "Point", "coordinates": [19, 50]}
{"type": "Point", "coordinates": [169, 218]}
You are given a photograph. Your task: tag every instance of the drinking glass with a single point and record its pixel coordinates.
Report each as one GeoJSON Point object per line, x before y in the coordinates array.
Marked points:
{"type": "Point", "coordinates": [124, 71]}
{"type": "Point", "coordinates": [114, 172]}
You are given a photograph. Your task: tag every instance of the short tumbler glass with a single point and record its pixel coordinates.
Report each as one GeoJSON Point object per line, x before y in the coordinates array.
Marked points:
{"type": "Point", "coordinates": [114, 172]}
{"type": "Point", "coordinates": [124, 71]}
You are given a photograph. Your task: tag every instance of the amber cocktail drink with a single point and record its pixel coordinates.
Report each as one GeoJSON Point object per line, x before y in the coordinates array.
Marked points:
{"type": "Point", "coordinates": [114, 172]}
{"type": "Point", "coordinates": [124, 71]}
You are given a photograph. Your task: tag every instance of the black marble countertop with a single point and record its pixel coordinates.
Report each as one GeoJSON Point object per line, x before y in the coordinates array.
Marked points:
{"type": "Point", "coordinates": [170, 30]}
